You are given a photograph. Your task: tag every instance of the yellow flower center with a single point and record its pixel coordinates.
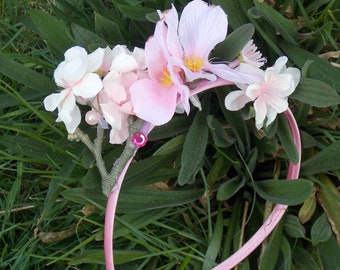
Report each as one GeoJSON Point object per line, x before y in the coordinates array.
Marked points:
{"type": "Point", "coordinates": [166, 78]}
{"type": "Point", "coordinates": [193, 63]}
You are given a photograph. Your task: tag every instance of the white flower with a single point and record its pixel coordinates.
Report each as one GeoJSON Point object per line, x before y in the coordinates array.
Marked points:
{"type": "Point", "coordinates": [79, 82]}
{"type": "Point", "coordinates": [270, 96]}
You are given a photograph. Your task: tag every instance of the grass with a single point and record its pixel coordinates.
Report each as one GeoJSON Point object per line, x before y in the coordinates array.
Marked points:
{"type": "Point", "coordinates": [49, 217]}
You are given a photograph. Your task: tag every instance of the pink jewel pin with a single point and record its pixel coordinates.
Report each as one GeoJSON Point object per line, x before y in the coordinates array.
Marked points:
{"type": "Point", "coordinates": [139, 139]}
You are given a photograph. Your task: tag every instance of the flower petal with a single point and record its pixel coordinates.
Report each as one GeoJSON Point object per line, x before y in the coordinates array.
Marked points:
{"type": "Point", "coordinates": [124, 63]}
{"type": "Point", "coordinates": [236, 100]}
{"type": "Point", "coordinates": [260, 112]}
{"type": "Point", "coordinates": [153, 102]}
{"type": "Point", "coordinates": [69, 113]}
{"type": "Point", "coordinates": [233, 75]}
{"type": "Point", "coordinates": [201, 27]}
{"type": "Point", "coordinates": [52, 101]}
{"type": "Point", "coordinates": [89, 86]}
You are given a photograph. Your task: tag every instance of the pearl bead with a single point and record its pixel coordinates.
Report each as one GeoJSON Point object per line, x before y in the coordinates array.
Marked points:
{"type": "Point", "coordinates": [91, 117]}
{"type": "Point", "coordinates": [139, 139]}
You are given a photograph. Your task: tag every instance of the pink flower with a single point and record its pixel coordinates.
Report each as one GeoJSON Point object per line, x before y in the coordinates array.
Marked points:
{"type": "Point", "coordinates": [250, 55]}
{"type": "Point", "coordinates": [177, 58]}
{"type": "Point", "coordinates": [191, 39]}
{"type": "Point", "coordinates": [114, 100]}
{"type": "Point", "coordinates": [154, 99]}
{"type": "Point", "coordinates": [76, 75]}
{"type": "Point", "coordinates": [270, 96]}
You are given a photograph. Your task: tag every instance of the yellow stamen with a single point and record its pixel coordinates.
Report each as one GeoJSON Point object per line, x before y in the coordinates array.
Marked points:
{"type": "Point", "coordinates": [166, 78]}
{"type": "Point", "coordinates": [193, 63]}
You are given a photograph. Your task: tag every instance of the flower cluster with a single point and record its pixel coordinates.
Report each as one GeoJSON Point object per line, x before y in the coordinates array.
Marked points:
{"type": "Point", "coordinates": [154, 83]}
{"type": "Point", "coordinates": [101, 80]}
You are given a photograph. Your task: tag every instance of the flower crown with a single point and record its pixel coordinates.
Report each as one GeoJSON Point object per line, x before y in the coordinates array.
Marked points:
{"type": "Point", "coordinates": [131, 92]}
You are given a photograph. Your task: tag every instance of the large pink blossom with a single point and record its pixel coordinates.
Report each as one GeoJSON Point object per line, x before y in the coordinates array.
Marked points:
{"type": "Point", "coordinates": [155, 98]}
{"type": "Point", "coordinates": [177, 58]}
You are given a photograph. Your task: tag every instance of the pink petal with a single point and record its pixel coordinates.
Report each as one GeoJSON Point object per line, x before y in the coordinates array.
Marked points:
{"type": "Point", "coordinates": [201, 27]}
{"type": "Point", "coordinates": [236, 100]}
{"type": "Point", "coordinates": [154, 58]}
{"type": "Point", "coordinates": [172, 39]}
{"type": "Point", "coordinates": [89, 86]}
{"type": "Point", "coordinates": [232, 75]}
{"type": "Point", "coordinates": [112, 115]}
{"type": "Point", "coordinates": [153, 102]}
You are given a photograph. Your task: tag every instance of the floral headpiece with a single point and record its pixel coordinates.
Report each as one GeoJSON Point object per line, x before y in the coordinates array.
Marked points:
{"type": "Point", "coordinates": [131, 92]}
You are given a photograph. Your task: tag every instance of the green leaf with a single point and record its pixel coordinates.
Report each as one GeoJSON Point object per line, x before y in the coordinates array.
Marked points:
{"type": "Point", "coordinates": [319, 69]}
{"type": "Point", "coordinates": [234, 42]}
{"type": "Point", "coordinates": [30, 78]}
{"type": "Point", "coordinates": [286, 139]}
{"type": "Point", "coordinates": [289, 192]}
{"type": "Point", "coordinates": [287, 254]}
{"type": "Point", "coordinates": [172, 146]}
{"type": "Point", "coordinates": [230, 187]}
{"type": "Point", "coordinates": [53, 30]}
{"type": "Point", "coordinates": [280, 23]}
{"type": "Point", "coordinates": [125, 223]}
{"type": "Point", "coordinates": [33, 148]}
{"type": "Point", "coordinates": [321, 231]}
{"type": "Point", "coordinates": [304, 260]}
{"type": "Point", "coordinates": [141, 171]}
{"type": "Point", "coordinates": [108, 30]}
{"type": "Point", "coordinates": [91, 256]}
{"type": "Point", "coordinates": [194, 147]}
{"type": "Point", "coordinates": [293, 227]}
{"type": "Point", "coordinates": [308, 208]}
{"type": "Point", "coordinates": [236, 11]}
{"type": "Point", "coordinates": [324, 161]}
{"type": "Point", "coordinates": [137, 13]}
{"type": "Point", "coordinates": [330, 254]}
{"type": "Point", "coordinates": [218, 133]}
{"type": "Point", "coordinates": [315, 93]}
{"type": "Point", "coordinates": [271, 252]}
{"type": "Point", "coordinates": [214, 244]}
{"type": "Point", "coordinates": [135, 199]}
{"type": "Point", "coordinates": [86, 38]}
{"type": "Point", "coordinates": [329, 198]}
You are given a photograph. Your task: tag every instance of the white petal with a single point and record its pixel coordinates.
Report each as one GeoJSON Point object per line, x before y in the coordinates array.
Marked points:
{"type": "Point", "coordinates": [74, 70]}
{"type": "Point", "coordinates": [95, 60]}
{"type": "Point", "coordinates": [69, 113]}
{"type": "Point", "coordinates": [124, 63]}
{"type": "Point", "coordinates": [280, 64]}
{"type": "Point", "coordinates": [271, 115]}
{"type": "Point", "coordinates": [296, 74]}
{"type": "Point", "coordinates": [74, 53]}
{"type": "Point", "coordinates": [236, 100]}
{"type": "Point", "coordinates": [260, 112]}
{"type": "Point", "coordinates": [139, 55]}
{"type": "Point", "coordinates": [52, 101]}
{"type": "Point", "coordinates": [89, 86]}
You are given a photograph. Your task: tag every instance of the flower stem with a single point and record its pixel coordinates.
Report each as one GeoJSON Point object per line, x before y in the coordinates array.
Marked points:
{"type": "Point", "coordinates": [278, 211]}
